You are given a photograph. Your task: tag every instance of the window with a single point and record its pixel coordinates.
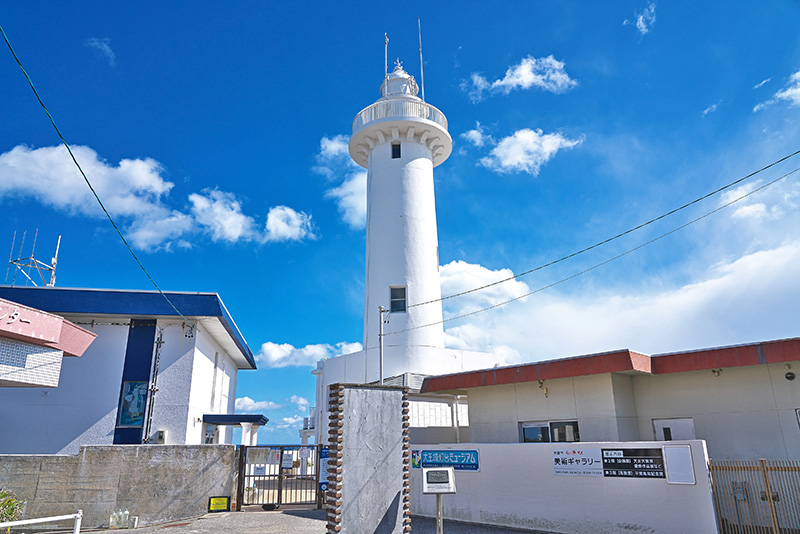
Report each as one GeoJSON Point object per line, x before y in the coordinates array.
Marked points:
{"type": "Point", "coordinates": [395, 150]}
{"type": "Point", "coordinates": [210, 434]}
{"type": "Point", "coordinates": [549, 432]}
{"type": "Point", "coordinates": [397, 299]}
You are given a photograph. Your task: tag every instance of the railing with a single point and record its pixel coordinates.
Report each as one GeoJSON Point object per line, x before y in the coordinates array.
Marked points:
{"type": "Point", "coordinates": [398, 108]}
{"type": "Point", "coordinates": [757, 497]}
{"type": "Point", "coordinates": [76, 516]}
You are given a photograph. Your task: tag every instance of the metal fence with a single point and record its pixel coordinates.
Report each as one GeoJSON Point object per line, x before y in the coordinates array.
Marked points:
{"type": "Point", "coordinates": [278, 474]}
{"type": "Point", "coordinates": [757, 496]}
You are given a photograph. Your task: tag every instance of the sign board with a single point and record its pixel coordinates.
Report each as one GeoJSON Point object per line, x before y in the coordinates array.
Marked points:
{"type": "Point", "coordinates": [323, 485]}
{"type": "Point", "coordinates": [286, 461]}
{"type": "Point", "coordinates": [304, 453]}
{"type": "Point", "coordinates": [438, 480]}
{"type": "Point", "coordinates": [460, 460]}
{"type": "Point", "coordinates": [219, 504]}
{"type": "Point", "coordinates": [324, 452]}
{"type": "Point", "coordinates": [679, 465]}
{"type": "Point", "coordinates": [578, 462]}
{"type": "Point", "coordinates": [259, 470]}
{"type": "Point", "coordinates": [633, 463]}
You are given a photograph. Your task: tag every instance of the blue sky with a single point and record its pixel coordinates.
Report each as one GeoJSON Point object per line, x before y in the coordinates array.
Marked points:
{"type": "Point", "coordinates": [216, 134]}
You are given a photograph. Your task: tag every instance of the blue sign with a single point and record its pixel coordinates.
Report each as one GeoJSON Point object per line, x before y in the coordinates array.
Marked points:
{"type": "Point", "coordinates": [323, 486]}
{"type": "Point", "coordinates": [324, 452]}
{"type": "Point", "coordinates": [458, 460]}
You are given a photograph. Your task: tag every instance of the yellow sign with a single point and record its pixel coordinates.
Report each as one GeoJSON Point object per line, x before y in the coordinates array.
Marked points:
{"type": "Point", "coordinates": [219, 504]}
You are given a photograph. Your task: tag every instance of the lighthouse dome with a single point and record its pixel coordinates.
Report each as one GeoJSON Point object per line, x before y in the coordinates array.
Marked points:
{"type": "Point", "coordinates": [399, 83]}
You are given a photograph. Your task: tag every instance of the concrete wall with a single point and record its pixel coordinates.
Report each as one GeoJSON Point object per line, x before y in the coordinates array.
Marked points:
{"type": "Point", "coordinates": [516, 487]}
{"type": "Point", "coordinates": [156, 482]}
{"type": "Point", "coordinates": [369, 460]}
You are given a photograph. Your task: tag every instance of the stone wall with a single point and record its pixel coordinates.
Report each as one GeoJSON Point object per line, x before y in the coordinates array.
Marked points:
{"type": "Point", "coordinates": [370, 460]}
{"type": "Point", "coordinates": [155, 482]}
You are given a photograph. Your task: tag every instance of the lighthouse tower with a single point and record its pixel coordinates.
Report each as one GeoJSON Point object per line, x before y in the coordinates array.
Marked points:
{"type": "Point", "coordinates": [400, 139]}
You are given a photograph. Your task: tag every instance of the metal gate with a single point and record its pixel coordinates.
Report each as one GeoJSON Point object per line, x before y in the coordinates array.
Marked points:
{"type": "Point", "coordinates": [757, 496]}
{"type": "Point", "coordinates": [278, 474]}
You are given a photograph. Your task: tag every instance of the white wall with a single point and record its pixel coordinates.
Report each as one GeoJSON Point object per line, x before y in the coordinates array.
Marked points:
{"type": "Point", "coordinates": [207, 384]}
{"type": "Point", "coordinates": [744, 413]}
{"type": "Point", "coordinates": [496, 411]}
{"type": "Point", "coordinates": [516, 487]}
{"type": "Point", "coordinates": [81, 410]}
{"type": "Point", "coordinates": [170, 405]}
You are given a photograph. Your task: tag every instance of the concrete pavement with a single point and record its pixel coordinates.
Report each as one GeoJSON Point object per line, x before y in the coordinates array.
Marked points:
{"type": "Point", "coordinates": [297, 521]}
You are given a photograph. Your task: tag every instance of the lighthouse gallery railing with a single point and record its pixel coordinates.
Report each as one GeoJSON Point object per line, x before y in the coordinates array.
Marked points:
{"type": "Point", "coordinates": [398, 108]}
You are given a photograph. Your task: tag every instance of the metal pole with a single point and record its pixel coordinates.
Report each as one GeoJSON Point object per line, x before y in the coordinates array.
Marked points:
{"type": "Point", "coordinates": [78, 517]}
{"type": "Point", "coordinates": [380, 342]}
{"type": "Point", "coordinates": [439, 518]}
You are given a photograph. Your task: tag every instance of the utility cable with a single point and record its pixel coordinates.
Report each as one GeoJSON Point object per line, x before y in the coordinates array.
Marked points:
{"type": "Point", "coordinates": [539, 290]}
{"type": "Point", "coordinates": [88, 183]}
{"type": "Point", "coordinates": [605, 241]}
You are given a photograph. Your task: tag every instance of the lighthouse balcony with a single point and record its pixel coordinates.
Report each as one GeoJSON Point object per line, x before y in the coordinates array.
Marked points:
{"type": "Point", "coordinates": [396, 119]}
{"type": "Point", "coordinates": [399, 110]}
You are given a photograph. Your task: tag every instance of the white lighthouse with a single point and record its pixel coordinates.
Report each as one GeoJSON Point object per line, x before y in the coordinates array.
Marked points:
{"type": "Point", "coordinates": [400, 139]}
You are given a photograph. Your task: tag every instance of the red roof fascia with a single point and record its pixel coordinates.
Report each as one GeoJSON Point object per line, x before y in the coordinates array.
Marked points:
{"type": "Point", "coordinates": [610, 362]}
{"type": "Point", "coordinates": [783, 350]}
{"type": "Point", "coordinates": [779, 351]}
{"type": "Point", "coordinates": [36, 327]}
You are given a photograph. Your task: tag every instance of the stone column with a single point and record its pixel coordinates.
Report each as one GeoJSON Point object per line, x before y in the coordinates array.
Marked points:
{"type": "Point", "coordinates": [369, 487]}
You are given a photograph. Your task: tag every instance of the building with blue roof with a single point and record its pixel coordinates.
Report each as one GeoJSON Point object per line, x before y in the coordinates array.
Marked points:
{"type": "Point", "coordinates": [152, 375]}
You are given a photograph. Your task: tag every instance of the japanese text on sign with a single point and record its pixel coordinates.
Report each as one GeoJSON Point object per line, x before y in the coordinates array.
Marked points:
{"type": "Point", "coordinates": [459, 460]}
{"type": "Point", "coordinates": [578, 462]}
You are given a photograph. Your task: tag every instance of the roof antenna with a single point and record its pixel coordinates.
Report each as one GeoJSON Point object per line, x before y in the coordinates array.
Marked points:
{"type": "Point", "coordinates": [385, 64]}
{"type": "Point", "coordinates": [421, 72]}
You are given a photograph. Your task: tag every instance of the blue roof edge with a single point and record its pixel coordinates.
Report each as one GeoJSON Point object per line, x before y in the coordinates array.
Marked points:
{"type": "Point", "coordinates": [128, 302]}
{"type": "Point", "coordinates": [234, 419]}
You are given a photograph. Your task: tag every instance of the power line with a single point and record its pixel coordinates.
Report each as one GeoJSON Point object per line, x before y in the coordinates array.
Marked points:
{"type": "Point", "coordinates": [539, 290]}
{"type": "Point", "coordinates": [86, 179]}
{"type": "Point", "coordinates": [605, 241]}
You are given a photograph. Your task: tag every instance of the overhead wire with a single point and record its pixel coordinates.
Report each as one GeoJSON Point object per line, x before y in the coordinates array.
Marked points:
{"type": "Point", "coordinates": [618, 256]}
{"type": "Point", "coordinates": [86, 179]}
{"type": "Point", "coordinates": [610, 239]}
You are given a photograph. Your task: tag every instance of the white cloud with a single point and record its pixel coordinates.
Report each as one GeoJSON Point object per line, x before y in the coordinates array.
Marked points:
{"type": "Point", "coordinates": [729, 301]}
{"type": "Point", "coordinates": [351, 199]}
{"type": "Point", "coordinates": [526, 150]}
{"type": "Point", "coordinates": [301, 403]}
{"type": "Point", "coordinates": [48, 175]}
{"type": "Point", "coordinates": [135, 194]}
{"type": "Point", "coordinates": [710, 109]}
{"type": "Point", "coordinates": [159, 230]}
{"type": "Point", "coordinates": [334, 162]}
{"type": "Point", "coordinates": [790, 93]}
{"type": "Point", "coordinates": [458, 276]}
{"type": "Point", "coordinates": [645, 19]}
{"type": "Point", "coordinates": [546, 73]}
{"type": "Point", "coordinates": [221, 214]}
{"type": "Point", "coordinates": [285, 224]}
{"type": "Point", "coordinates": [103, 49]}
{"type": "Point", "coordinates": [476, 137]}
{"type": "Point", "coordinates": [248, 405]}
{"type": "Point", "coordinates": [285, 354]}
{"type": "Point", "coordinates": [762, 83]}
{"type": "Point", "coordinates": [286, 422]}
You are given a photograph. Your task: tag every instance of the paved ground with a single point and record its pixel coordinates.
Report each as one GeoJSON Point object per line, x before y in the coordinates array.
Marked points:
{"type": "Point", "coordinates": [295, 522]}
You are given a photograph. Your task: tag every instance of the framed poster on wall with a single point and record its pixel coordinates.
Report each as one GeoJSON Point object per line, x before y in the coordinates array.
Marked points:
{"type": "Point", "coordinates": [132, 404]}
